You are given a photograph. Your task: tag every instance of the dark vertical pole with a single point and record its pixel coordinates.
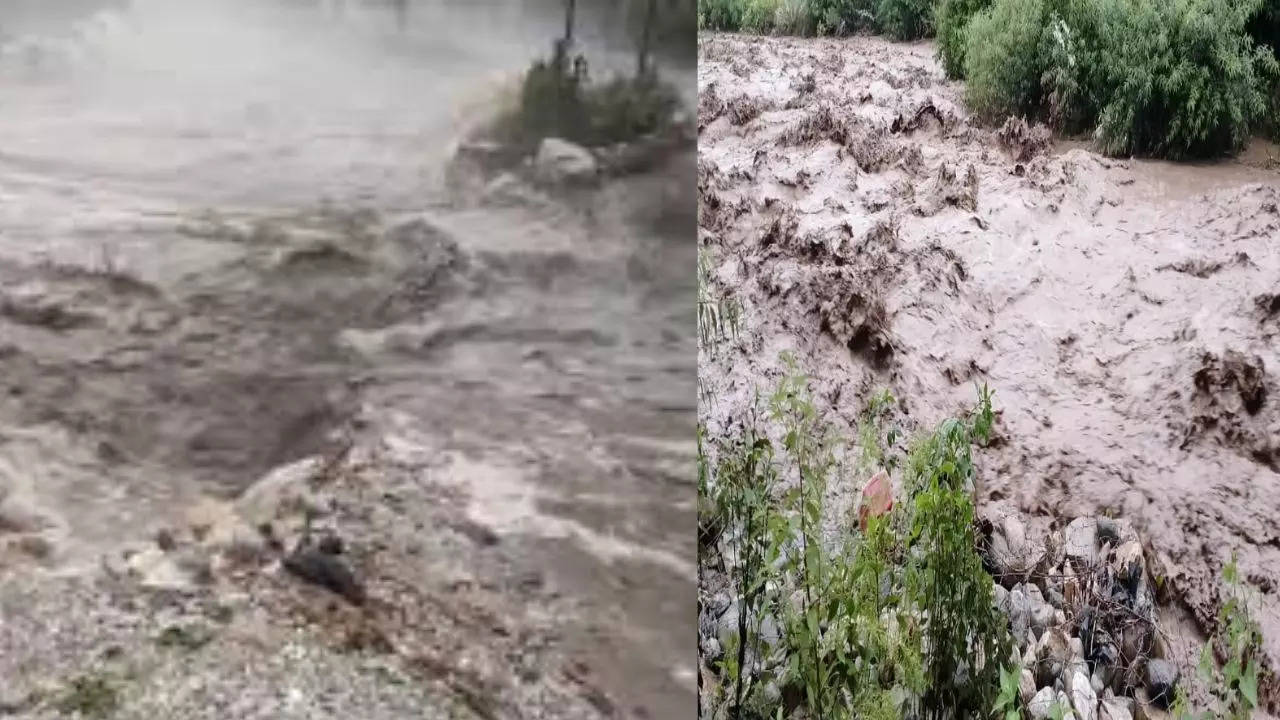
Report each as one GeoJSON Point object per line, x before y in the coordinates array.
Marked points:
{"type": "Point", "coordinates": [643, 60]}
{"type": "Point", "coordinates": [568, 23]}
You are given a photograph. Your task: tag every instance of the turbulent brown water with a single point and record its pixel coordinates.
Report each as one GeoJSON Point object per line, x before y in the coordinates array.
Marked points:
{"type": "Point", "coordinates": [224, 247]}
{"type": "Point", "coordinates": [1126, 312]}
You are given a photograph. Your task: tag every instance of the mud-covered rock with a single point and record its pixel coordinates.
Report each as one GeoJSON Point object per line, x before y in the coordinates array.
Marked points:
{"type": "Point", "coordinates": [1052, 655]}
{"type": "Point", "coordinates": [1023, 141]}
{"type": "Point", "coordinates": [326, 570]}
{"type": "Point", "coordinates": [1161, 681]}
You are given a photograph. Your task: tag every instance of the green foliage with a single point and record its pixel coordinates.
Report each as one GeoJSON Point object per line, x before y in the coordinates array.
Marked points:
{"type": "Point", "coordinates": [742, 500]}
{"type": "Point", "coordinates": [967, 637]}
{"type": "Point", "coordinates": [1007, 701]}
{"type": "Point", "coordinates": [857, 609]}
{"type": "Point", "coordinates": [842, 17]}
{"type": "Point", "coordinates": [720, 14]}
{"type": "Point", "coordinates": [1176, 79]}
{"type": "Point", "coordinates": [759, 16]}
{"type": "Point", "coordinates": [558, 100]}
{"type": "Point", "coordinates": [1234, 683]}
{"type": "Point", "coordinates": [874, 453]}
{"type": "Point", "coordinates": [627, 108]}
{"type": "Point", "coordinates": [905, 19]}
{"type": "Point", "coordinates": [1002, 61]}
{"type": "Point", "coordinates": [551, 99]}
{"type": "Point", "coordinates": [1185, 78]}
{"type": "Point", "coordinates": [794, 17]}
{"type": "Point", "coordinates": [952, 18]}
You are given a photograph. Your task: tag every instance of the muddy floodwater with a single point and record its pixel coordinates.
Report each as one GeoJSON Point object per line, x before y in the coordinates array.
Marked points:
{"type": "Point", "coordinates": [225, 249]}
{"type": "Point", "coordinates": [1126, 312]}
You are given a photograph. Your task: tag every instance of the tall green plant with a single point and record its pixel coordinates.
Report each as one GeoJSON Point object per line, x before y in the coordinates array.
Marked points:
{"type": "Point", "coordinates": [952, 18]}
{"type": "Point", "coordinates": [1234, 683]}
{"type": "Point", "coordinates": [808, 443]}
{"type": "Point", "coordinates": [1186, 80]}
{"type": "Point", "coordinates": [905, 19]}
{"type": "Point", "coordinates": [742, 486]}
{"type": "Point", "coordinates": [968, 640]}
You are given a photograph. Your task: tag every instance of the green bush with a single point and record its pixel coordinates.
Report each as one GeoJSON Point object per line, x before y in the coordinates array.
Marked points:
{"type": "Point", "coordinates": [1264, 28]}
{"type": "Point", "coordinates": [794, 17]}
{"type": "Point", "coordinates": [952, 17]}
{"type": "Point", "coordinates": [1176, 79]}
{"type": "Point", "coordinates": [1186, 79]}
{"type": "Point", "coordinates": [905, 19]}
{"type": "Point", "coordinates": [842, 17]}
{"type": "Point", "coordinates": [1002, 61]}
{"type": "Point", "coordinates": [759, 16]}
{"type": "Point", "coordinates": [720, 14]}
{"type": "Point", "coordinates": [556, 100]}
{"type": "Point", "coordinates": [897, 620]}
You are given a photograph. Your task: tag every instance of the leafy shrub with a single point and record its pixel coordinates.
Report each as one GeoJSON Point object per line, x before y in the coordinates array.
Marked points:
{"type": "Point", "coordinates": [556, 100]}
{"type": "Point", "coordinates": [952, 17]}
{"type": "Point", "coordinates": [905, 19]}
{"type": "Point", "coordinates": [842, 17]}
{"type": "Point", "coordinates": [967, 637]}
{"type": "Point", "coordinates": [1264, 28]}
{"type": "Point", "coordinates": [1002, 61]}
{"type": "Point", "coordinates": [1238, 639]}
{"type": "Point", "coordinates": [720, 14]}
{"type": "Point", "coordinates": [759, 16]}
{"type": "Point", "coordinates": [794, 17]}
{"type": "Point", "coordinates": [897, 620]}
{"type": "Point", "coordinates": [1186, 79]}
{"type": "Point", "coordinates": [626, 108]}
{"type": "Point", "coordinates": [551, 102]}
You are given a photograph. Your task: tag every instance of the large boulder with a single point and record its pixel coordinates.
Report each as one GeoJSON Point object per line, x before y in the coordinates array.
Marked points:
{"type": "Point", "coordinates": [1113, 708]}
{"type": "Point", "coordinates": [1010, 555]}
{"type": "Point", "coordinates": [1052, 656]}
{"type": "Point", "coordinates": [1162, 681]}
{"type": "Point", "coordinates": [1083, 699]}
{"type": "Point", "coordinates": [1041, 703]}
{"type": "Point", "coordinates": [560, 162]}
{"type": "Point", "coordinates": [1080, 543]}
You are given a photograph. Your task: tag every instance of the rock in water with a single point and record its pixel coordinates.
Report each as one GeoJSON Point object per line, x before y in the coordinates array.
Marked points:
{"type": "Point", "coordinates": [1162, 681]}
{"type": "Point", "coordinates": [560, 162]}
{"type": "Point", "coordinates": [326, 570]}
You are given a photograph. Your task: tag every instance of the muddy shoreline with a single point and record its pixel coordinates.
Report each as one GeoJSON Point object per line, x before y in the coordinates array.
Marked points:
{"type": "Point", "coordinates": [1122, 310]}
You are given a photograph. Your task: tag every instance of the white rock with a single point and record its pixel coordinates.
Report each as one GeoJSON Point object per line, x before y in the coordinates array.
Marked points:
{"type": "Point", "coordinates": [1083, 699]}
{"type": "Point", "coordinates": [1026, 686]}
{"type": "Point", "coordinates": [283, 491]}
{"type": "Point", "coordinates": [1113, 709]}
{"type": "Point", "coordinates": [1080, 541]}
{"type": "Point", "coordinates": [560, 161]}
{"type": "Point", "coordinates": [1040, 704]}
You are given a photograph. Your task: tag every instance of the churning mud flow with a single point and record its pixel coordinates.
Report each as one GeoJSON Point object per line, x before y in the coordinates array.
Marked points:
{"type": "Point", "coordinates": [1125, 312]}
{"type": "Point", "coordinates": [226, 254]}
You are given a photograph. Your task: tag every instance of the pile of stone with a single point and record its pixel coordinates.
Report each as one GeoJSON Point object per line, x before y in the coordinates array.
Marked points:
{"type": "Point", "coordinates": [1082, 609]}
